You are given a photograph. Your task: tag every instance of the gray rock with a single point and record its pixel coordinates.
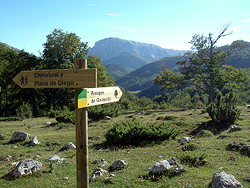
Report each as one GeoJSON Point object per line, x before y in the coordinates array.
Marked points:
{"type": "Point", "coordinates": [163, 165]}
{"type": "Point", "coordinates": [97, 173]}
{"type": "Point", "coordinates": [27, 166]}
{"type": "Point", "coordinates": [108, 117]}
{"type": "Point", "coordinates": [224, 180]}
{"type": "Point", "coordinates": [179, 170]}
{"type": "Point", "coordinates": [189, 186]}
{"type": "Point", "coordinates": [97, 161]}
{"type": "Point", "coordinates": [34, 141]}
{"type": "Point", "coordinates": [235, 128]}
{"type": "Point", "coordinates": [185, 139]}
{"type": "Point", "coordinates": [103, 164]}
{"type": "Point", "coordinates": [19, 136]}
{"type": "Point", "coordinates": [69, 145]}
{"type": "Point", "coordinates": [119, 164]}
{"type": "Point", "coordinates": [56, 157]}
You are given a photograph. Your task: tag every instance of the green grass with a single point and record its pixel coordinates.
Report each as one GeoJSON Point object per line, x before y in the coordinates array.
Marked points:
{"type": "Point", "coordinates": [139, 158]}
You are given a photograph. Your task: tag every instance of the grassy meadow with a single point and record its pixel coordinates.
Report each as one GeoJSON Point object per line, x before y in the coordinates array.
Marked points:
{"type": "Point", "coordinates": [212, 148]}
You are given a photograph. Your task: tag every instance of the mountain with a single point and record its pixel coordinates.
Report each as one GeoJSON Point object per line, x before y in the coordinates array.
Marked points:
{"type": "Point", "coordinates": [130, 54]}
{"type": "Point", "coordinates": [126, 60]}
{"type": "Point", "coordinates": [142, 78]}
{"type": "Point", "coordinates": [117, 71]}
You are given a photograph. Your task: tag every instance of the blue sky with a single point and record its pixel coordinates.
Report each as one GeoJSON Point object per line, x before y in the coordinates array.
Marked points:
{"type": "Point", "coordinates": [166, 23]}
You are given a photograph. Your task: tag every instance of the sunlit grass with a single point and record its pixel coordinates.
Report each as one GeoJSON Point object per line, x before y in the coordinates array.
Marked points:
{"type": "Point", "coordinates": [139, 158]}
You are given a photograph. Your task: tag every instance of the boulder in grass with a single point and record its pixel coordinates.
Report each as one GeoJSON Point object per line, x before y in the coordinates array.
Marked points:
{"type": "Point", "coordinates": [97, 173]}
{"type": "Point", "coordinates": [67, 146]}
{"type": "Point", "coordinates": [34, 141]}
{"type": "Point", "coordinates": [26, 166]}
{"type": "Point", "coordinates": [163, 166]}
{"type": "Point", "coordinates": [119, 164]}
{"type": "Point", "coordinates": [223, 180]}
{"type": "Point", "coordinates": [19, 136]}
{"type": "Point", "coordinates": [185, 139]}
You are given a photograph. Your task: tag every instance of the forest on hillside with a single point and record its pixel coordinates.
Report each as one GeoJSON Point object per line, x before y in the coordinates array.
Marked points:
{"type": "Point", "coordinates": [15, 101]}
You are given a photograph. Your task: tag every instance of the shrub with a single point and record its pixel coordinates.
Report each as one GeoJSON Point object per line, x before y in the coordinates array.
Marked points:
{"type": "Point", "coordinates": [135, 132]}
{"type": "Point", "coordinates": [205, 133]}
{"type": "Point", "coordinates": [66, 116]}
{"type": "Point", "coordinates": [99, 112]}
{"type": "Point", "coordinates": [224, 110]}
{"type": "Point", "coordinates": [24, 111]}
{"type": "Point", "coordinates": [194, 160]}
{"type": "Point", "coordinates": [189, 147]}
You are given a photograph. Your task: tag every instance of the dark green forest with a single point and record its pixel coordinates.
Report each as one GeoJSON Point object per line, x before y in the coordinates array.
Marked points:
{"type": "Point", "coordinates": [60, 50]}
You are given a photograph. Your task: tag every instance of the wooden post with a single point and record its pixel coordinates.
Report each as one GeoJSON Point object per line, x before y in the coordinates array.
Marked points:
{"type": "Point", "coordinates": [81, 136]}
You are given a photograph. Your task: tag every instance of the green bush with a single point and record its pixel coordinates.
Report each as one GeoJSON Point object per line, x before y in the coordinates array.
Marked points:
{"type": "Point", "coordinates": [193, 160]}
{"type": "Point", "coordinates": [66, 116]}
{"type": "Point", "coordinates": [205, 133]}
{"type": "Point", "coordinates": [24, 111]}
{"type": "Point", "coordinates": [99, 112]}
{"type": "Point", "coordinates": [135, 132]}
{"type": "Point", "coordinates": [224, 110]}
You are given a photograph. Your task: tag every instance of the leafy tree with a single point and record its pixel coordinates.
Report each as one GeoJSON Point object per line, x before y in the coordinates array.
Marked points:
{"type": "Point", "coordinates": [104, 79]}
{"type": "Point", "coordinates": [62, 48]}
{"type": "Point", "coordinates": [12, 61]}
{"type": "Point", "coordinates": [204, 67]}
{"type": "Point", "coordinates": [59, 52]}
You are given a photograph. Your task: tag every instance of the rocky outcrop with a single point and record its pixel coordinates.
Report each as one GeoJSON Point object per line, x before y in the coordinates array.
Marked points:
{"type": "Point", "coordinates": [26, 166]}
{"type": "Point", "coordinates": [19, 136]}
{"type": "Point", "coordinates": [223, 180]}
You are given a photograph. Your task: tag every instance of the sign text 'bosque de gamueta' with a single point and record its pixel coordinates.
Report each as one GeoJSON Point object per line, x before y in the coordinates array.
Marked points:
{"type": "Point", "coordinates": [57, 78]}
{"type": "Point", "coordinates": [96, 96]}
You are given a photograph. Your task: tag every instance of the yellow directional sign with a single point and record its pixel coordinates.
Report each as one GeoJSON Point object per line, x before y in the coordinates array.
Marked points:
{"type": "Point", "coordinates": [58, 78]}
{"type": "Point", "coordinates": [96, 96]}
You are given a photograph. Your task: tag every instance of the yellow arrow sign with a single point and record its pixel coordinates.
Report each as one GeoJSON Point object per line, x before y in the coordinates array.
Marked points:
{"type": "Point", "coordinates": [57, 78]}
{"type": "Point", "coordinates": [96, 96]}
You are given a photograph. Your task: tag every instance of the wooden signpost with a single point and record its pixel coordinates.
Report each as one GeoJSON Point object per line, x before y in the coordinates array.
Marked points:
{"type": "Point", "coordinates": [77, 78]}
{"type": "Point", "coordinates": [96, 96]}
{"type": "Point", "coordinates": [59, 78]}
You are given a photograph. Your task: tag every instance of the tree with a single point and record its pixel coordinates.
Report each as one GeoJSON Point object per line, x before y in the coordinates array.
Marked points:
{"type": "Point", "coordinates": [62, 48]}
{"type": "Point", "coordinates": [103, 78]}
{"type": "Point", "coordinates": [204, 68]}
{"type": "Point", "coordinates": [12, 61]}
{"type": "Point", "coordinates": [59, 52]}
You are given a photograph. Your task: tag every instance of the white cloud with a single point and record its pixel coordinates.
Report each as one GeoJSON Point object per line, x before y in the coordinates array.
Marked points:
{"type": "Point", "coordinates": [224, 18]}
{"type": "Point", "coordinates": [118, 15]}
{"type": "Point", "coordinates": [118, 27]}
{"type": "Point", "coordinates": [153, 28]}
{"type": "Point", "coordinates": [131, 30]}
{"type": "Point", "coordinates": [234, 28]}
{"type": "Point", "coordinates": [91, 5]}
{"type": "Point", "coordinates": [248, 20]}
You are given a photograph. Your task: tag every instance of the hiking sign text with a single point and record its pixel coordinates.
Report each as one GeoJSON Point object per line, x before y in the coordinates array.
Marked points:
{"type": "Point", "coordinates": [58, 78]}
{"type": "Point", "coordinates": [96, 96]}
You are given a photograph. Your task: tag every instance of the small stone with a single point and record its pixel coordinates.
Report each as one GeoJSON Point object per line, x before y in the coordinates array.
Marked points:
{"type": "Point", "coordinates": [97, 173]}
{"type": "Point", "coordinates": [97, 138]}
{"type": "Point", "coordinates": [34, 141]}
{"type": "Point", "coordinates": [119, 164]}
{"type": "Point", "coordinates": [69, 145]}
{"type": "Point", "coordinates": [103, 164]}
{"type": "Point", "coordinates": [14, 146]}
{"type": "Point", "coordinates": [65, 178]}
{"type": "Point", "coordinates": [108, 117]}
{"type": "Point", "coordinates": [185, 139]}
{"type": "Point", "coordinates": [97, 161]}
{"type": "Point", "coordinates": [37, 156]}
